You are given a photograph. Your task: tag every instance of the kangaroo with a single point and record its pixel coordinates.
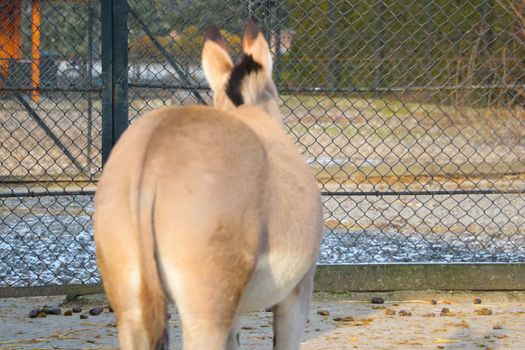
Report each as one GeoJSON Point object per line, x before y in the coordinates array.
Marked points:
{"type": "Point", "coordinates": [213, 208]}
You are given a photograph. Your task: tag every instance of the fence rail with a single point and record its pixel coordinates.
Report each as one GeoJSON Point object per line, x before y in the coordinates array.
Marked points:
{"type": "Point", "coordinates": [410, 114]}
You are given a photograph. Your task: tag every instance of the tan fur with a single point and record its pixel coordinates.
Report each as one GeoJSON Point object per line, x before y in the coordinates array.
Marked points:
{"type": "Point", "coordinates": [215, 208]}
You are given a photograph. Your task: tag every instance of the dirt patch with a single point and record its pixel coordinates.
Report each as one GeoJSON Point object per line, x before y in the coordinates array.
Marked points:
{"type": "Point", "coordinates": [347, 321]}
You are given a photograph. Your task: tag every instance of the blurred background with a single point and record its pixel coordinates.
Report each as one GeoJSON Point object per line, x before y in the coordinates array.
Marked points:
{"type": "Point", "coordinates": [410, 113]}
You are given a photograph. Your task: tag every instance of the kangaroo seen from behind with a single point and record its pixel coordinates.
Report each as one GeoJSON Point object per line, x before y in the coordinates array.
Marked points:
{"type": "Point", "coordinates": [212, 207]}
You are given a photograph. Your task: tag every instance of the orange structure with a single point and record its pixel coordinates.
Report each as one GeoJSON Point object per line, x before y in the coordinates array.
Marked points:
{"type": "Point", "coordinates": [11, 39]}
{"type": "Point", "coordinates": [35, 48]}
{"type": "Point", "coordinates": [10, 35]}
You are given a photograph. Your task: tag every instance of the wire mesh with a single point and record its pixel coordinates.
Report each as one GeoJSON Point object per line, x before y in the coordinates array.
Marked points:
{"type": "Point", "coordinates": [410, 113]}
{"type": "Point", "coordinates": [50, 140]}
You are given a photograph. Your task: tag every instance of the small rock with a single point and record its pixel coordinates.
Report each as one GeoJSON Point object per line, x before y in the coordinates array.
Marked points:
{"type": "Point", "coordinates": [323, 312]}
{"type": "Point", "coordinates": [446, 312]}
{"type": "Point", "coordinates": [110, 309]}
{"type": "Point", "coordinates": [168, 316]}
{"type": "Point", "coordinates": [497, 326]}
{"type": "Point", "coordinates": [380, 307]}
{"type": "Point", "coordinates": [52, 310]}
{"type": "Point", "coordinates": [440, 347]}
{"type": "Point", "coordinates": [365, 321]}
{"type": "Point", "coordinates": [344, 319]}
{"type": "Point", "coordinates": [83, 316]}
{"type": "Point", "coordinates": [76, 309]}
{"type": "Point", "coordinates": [404, 313]}
{"type": "Point", "coordinates": [390, 312]}
{"type": "Point", "coordinates": [96, 311]}
{"type": "Point", "coordinates": [68, 313]}
{"type": "Point", "coordinates": [462, 324]}
{"type": "Point", "coordinates": [377, 300]}
{"type": "Point", "coordinates": [34, 313]}
{"type": "Point", "coordinates": [246, 328]}
{"type": "Point", "coordinates": [317, 329]}
{"type": "Point", "coordinates": [477, 301]}
{"type": "Point", "coordinates": [433, 302]}
{"type": "Point", "coordinates": [483, 311]}
{"type": "Point", "coordinates": [41, 314]}
{"type": "Point", "coordinates": [430, 314]}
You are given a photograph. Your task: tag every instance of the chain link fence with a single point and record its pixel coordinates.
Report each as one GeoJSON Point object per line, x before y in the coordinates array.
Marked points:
{"type": "Point", "coordinates": [410, 113]}
{"type": "Point", "coordinates": [50, 140]}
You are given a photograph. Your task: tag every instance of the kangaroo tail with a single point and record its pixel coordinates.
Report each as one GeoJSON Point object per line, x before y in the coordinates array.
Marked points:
{"type": "Point", "coordinates": [153, 293]}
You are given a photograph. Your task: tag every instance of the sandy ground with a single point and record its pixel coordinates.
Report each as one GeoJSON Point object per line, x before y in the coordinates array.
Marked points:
{"type": "Point", "coordinates": [344, 321]}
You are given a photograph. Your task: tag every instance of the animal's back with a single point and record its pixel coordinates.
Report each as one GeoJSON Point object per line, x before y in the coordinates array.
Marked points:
{"type": "Point", "coordinates": [199, 160]}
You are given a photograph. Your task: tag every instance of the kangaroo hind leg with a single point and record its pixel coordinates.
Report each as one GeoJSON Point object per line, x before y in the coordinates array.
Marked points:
{"type": "Point", "coordinates": [139, 303]}
{"type": "Point", "coordinates": [207, 285]}
{"type": "Point", "coordinates": [290, 315]}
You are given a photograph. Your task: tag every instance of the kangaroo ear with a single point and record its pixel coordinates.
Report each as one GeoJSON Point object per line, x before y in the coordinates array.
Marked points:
{"type": "Point", "coordinates": [255, 44]}
{"type": "Point", "coordinates": [216, 62]}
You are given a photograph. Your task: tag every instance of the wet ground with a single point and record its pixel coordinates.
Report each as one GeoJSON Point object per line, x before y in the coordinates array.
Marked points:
{"type": "Point", "coordinates": [406, 320]}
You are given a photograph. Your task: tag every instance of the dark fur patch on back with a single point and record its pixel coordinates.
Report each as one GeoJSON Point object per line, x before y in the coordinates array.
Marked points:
{"type": "Point", "coordinates": [244, 68]}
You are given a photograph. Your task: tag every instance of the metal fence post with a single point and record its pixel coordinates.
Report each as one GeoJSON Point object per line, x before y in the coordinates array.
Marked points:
{"type": "Point", "coordinates": [107, 78]}
{"type": "Point", "coordinates": [89, 75]}
{"type": "Point", "coordinates": [114, 73]}
{"type": "Point", "coordinates": [120, 67]}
